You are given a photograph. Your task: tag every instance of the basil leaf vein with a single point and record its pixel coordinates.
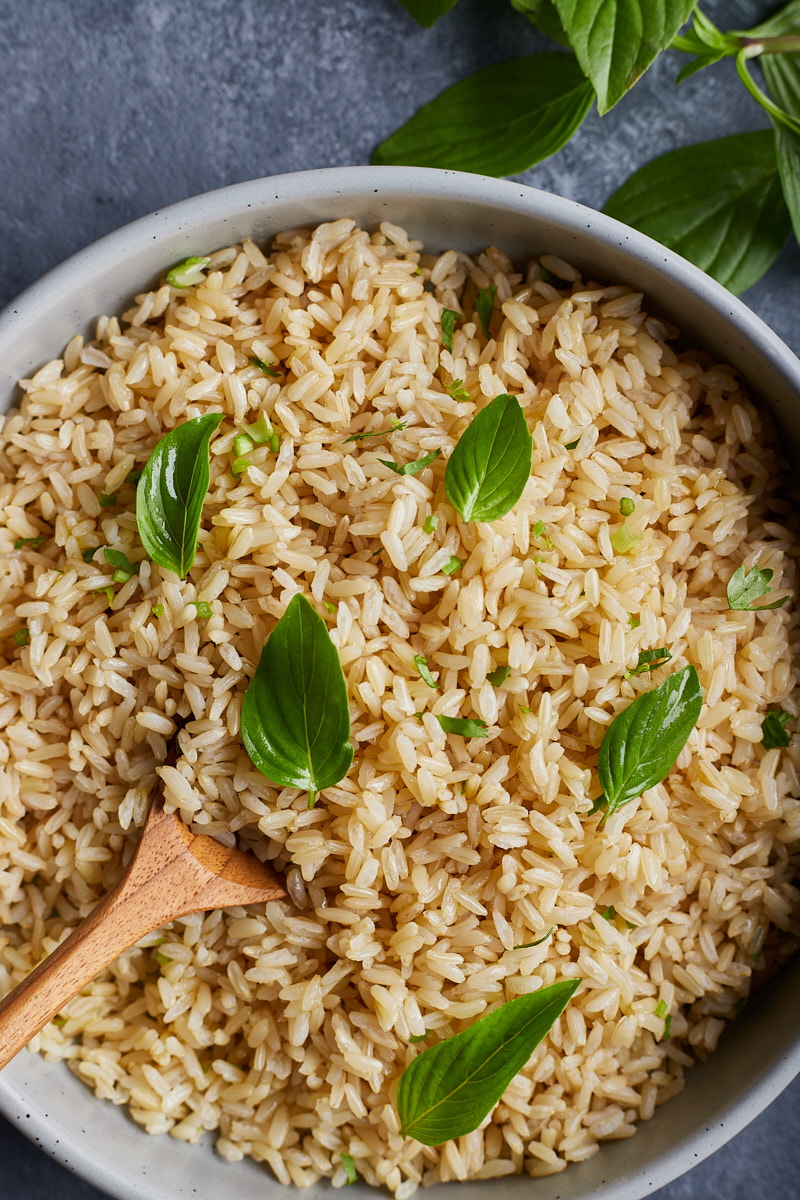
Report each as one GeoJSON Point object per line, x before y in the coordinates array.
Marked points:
{"type": "Point", "coordinates": [448, 1089]}
{"type": "Point", "coordinates": [171, 491]}
{"type": "Point", "coordinates": [491, 463]}
{"type": "Point", "coordinates": [642, 743]}
{"type": "Point", "coordinates": [295, 715]}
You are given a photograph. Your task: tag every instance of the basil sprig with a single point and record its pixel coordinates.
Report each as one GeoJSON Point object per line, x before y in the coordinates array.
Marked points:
{"type": "Point", "coordinates": [491, 463]}
{"type": "Point", "coordinates": [642, 743]}
{"type": "Point", "coordinates": [171, 491]}
{"type": "Point", "coordinates": [448, 1089]}
{"type": "Point", "coordinates": [742, 589]}
{"type": "Point", "coordinates": [295, 715]}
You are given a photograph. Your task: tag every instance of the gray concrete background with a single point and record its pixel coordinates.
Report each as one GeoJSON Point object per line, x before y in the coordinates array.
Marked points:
{"type": "Point", "coordinates": [110, 109]}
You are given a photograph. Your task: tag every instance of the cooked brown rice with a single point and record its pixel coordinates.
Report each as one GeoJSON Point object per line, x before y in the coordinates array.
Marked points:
{"type": "Point", "coordinates": [284, 1029]}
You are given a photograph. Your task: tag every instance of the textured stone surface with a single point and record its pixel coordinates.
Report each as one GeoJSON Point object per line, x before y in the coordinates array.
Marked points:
{"type": "Point", "coordinates": [112, 109]}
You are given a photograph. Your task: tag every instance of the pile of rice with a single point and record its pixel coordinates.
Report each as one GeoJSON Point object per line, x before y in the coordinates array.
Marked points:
{"type": "Point", "coordinates": [413, 883]}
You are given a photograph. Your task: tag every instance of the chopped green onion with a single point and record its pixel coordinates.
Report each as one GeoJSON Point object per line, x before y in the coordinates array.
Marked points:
{"type": "Point", "coordinates": [22, 636]}
{"type": "Point", "coordinates": [255, 361]}
{"type": "Point", "coordinates": [133, 476]}
{"type": "Point", "coordinates": [419, 1037]}
{"type": "Point", "coordinates": [523, 708]}
{"type": "Point", "coordinates": [329, 606]}
{"type": "Point", "coordinates": [430, 523]}
{"type": "Point", "coordinates": [661, 1008]}
{"type": "Point", "coordinates": [120, 576]}
{"type": "Point", "coordinates": [538, 529]}
{"type": "Point", "coordinates": [627, 506]}
{"type": "Point", "coordinates": [349, 1164]}
{"type": "Point", "coordinates": [162, 959]}
{"type": "Point", "coordinates": [239, 465]}
{"type": "Point", "coordinates": [242, 444]}
{"type": "Point", "coordinates": [203, 608]}
{"type": "Point", "coordinates": [259, 433]}
{"type": "Point", "coordinates": [88, 554]}
{"type": "Point", "coordinates": [634, 621]}
{"type": "Point", "coordinates": [158, 610]}
{"type": "Point", "coordinates": [108, 501]}
{"type": "Point", "coordinates": [34, 542]}
{"type": "Point", "coordinates": [452, 565]}
{"type": "Point", "coordinates": [624, 539]}
{"type": "Point", "coordinates": [274, 443]}
{"type": "Point", "coordinates": [571, 445]}
{"type": "Point", "coordinates": [187, 273]}
{"type": "Point", "coordinates": [667, 1025]}
{"type": "Point", "coordinates": [108, 592]}
{"type": "Point", "coordinates": [124, 567]}
{"type": "Point", "coordinates": [610, 913]}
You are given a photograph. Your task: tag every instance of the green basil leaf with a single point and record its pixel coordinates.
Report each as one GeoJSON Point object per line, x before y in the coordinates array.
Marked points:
{"type": "Point", "coordinates": [449, 318]}
{"type": "Point", "coordinates": [295, 715]}
{"type": "Point", "coordinates": [499, 675]}
{"type": "Point", "coordinates": [448, 1089]}
{"type": "Point", "coordinates": [544, 15]}
{"type": "Point", "coordinates": [649, 660]}
{"type": "Point", "coordinates": [116, 558]}
{"type": "Point", "coordinates": [484, 307]}
{"type": "Point", "coordinates": [742, 589]}
{"type": "Point", "coordinates": [464, 726]}
{"type": "Point", "coordinates": [719, 204]}
{"type": "Point", "coordinates": [499, 121]}
{"type": "Point", "coordinates": [617, 40]}
{"type": "Point", "coordinates": [782, 73]}
{"type": "Point", "coordinates": [491, 463]}
{"type": "Point", "coordinates": [773, 733]}
{"type": "Point", "coordinates": [426, 12]}
{"type": "Point", "coordinates": [643, 741]}
{"type": "Point", "coordinates": [171, 491]}
{"type": "Point", "coordinates": [424, 671]}
{"type": "Point", "coordinates": [412, 468]}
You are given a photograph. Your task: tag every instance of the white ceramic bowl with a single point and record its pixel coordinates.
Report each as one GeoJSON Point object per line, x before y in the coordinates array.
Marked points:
{"type": "Point", "coordinates": [760, 1054]}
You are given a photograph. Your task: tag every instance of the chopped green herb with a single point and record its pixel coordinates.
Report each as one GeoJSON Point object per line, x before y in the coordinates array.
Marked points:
{"type": "Point", "coordinates": [108, 592]}
{"type": "Point", "coordinates": [484, 306]}
{"type": "Point", "coordinates": [349, 1164]}
{"type": "Point", "coordinates": [34, 542]}
{"type": "Point", "coordinates": [538, 942]}
{"type": "Point", "coordinates": [162, 959]}
{"type": "Point", "coordinates": [464, 726]}
{"type": "Point", "coordinates": [158, 610]}
{"type": "Point", "coordinates": [274, 443]}
{"type": "Point", "coordinates": [523, 708]}
{"type": "Point", "coordinates": [187, 273]}
{"type": "Point", "coordinates": [661, 1008]}
{"type": "Point", "coordinates": [667, 1025]}
{"type": "Point", "coordinates": [240, 465]}
{"type": "Point", "coordinates": [634, 621]}
{"type": "Point", "coordinates": [421, 663]}
{"type": "Point", "coordinates": [419, 1037]}
{"type": "Point", "coordinates": [627, 506]}
{"type": "Point", "coordinates": [329, 606]}
{"type": "Point", "coordinates": [624, 539]}
{"type": "Point", "coordinates": [649, 660]}
{"type": "Point", "coordinates": [22, 636]}
{"type": "Point", "coordinates": [773, 734]}
{"type": "Point", "coordinates": [499, 675]}
{"type": "Point", "coordinates": [571, 445]}
{"type": "Point", "coordinates": [255, 361]}
{"type": "Point", "coordinates": [203, 608]}
{"type": "Point", "coordinates": [742, 589]}
{"type": "Point", "coordinates": [59, 1021]}
{"type": "Point", "coordinates": [430, 523]}
{"type": "Point", "coordinates": [133, 476]}
{"type": "Point", "coordinates": [538, 529]}
{"type": "Point", "coordinates": [546, 276]}
{"type": "Point", "coordinates": [412, 468]}
{"type": "Point", "coordinates": [452, 565]}
{"type": "Point", "coordinates": [124, 567]}
{"type": "Point", "coordinates": [449, 1088]}
{"type": "Point", "coordinates": [609, 913]}
{"type": "Point", "coordinates": [108, 501]}
{"type": "Point", "coordinates": [242, 444]}
{"type": "Point", "coordinates": [88, 554]}
{"type": "Point", "coordinates": [393, 428]}
{"type": "Point", "coordinates": [449, 318]}
{"type": "Point", "coordinates": [457, 390]}
{"type": "Point", "coordinates": [377, 553]}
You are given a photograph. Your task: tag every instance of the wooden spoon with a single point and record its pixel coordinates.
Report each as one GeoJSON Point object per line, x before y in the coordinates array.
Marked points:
{"type": "Point", "coordinates": [173, 873]}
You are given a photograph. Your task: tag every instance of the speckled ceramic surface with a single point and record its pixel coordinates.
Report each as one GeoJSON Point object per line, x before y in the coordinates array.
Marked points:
{"type": "Point", "coordinates": [761, 1053]}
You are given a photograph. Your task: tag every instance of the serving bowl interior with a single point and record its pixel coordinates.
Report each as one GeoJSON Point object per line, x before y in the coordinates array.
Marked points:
{"type": "Point", "coordinates": [757, 1056]}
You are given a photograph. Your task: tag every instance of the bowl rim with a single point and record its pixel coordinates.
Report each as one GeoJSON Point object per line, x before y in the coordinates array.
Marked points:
{"type": "Point", "coordinates": [175, 223]}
